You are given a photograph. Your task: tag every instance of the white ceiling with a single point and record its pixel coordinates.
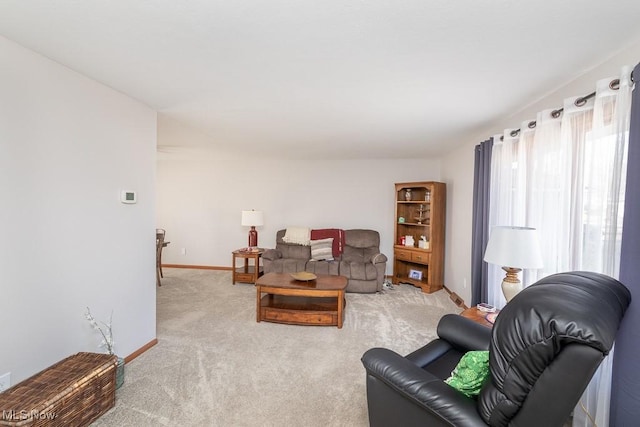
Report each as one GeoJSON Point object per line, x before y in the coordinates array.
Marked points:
{"type": "Point", "coordinates": [354, 78]}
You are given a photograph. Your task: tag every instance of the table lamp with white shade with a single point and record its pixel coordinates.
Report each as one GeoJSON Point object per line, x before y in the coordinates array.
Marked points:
{"type": "Point", "coordinates": [252, 219]}
{"type": "Point", "coordinates": [513, 248]}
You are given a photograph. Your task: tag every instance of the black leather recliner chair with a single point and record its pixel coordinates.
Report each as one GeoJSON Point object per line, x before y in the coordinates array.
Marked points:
{"type": "Point", "coordinates": [544, 347]}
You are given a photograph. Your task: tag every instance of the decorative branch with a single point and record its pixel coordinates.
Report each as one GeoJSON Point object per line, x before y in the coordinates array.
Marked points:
{"type": "Point", "coordinates": [107, 338]}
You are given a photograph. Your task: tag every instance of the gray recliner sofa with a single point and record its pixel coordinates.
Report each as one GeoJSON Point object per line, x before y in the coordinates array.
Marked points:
{"type": "Point", "coordinates": [360, 262]}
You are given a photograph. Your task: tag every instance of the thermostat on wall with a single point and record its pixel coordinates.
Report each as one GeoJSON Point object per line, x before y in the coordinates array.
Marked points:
{"type": "Point", "coordinates": [128, 196]}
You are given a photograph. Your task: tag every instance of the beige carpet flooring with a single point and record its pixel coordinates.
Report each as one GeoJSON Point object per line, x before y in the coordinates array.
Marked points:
{"type": "Point", "coordinates": [214, 365]}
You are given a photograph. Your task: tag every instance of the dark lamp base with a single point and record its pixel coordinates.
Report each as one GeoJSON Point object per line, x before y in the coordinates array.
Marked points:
{"type": "Point", "coordinates": [253, 237]}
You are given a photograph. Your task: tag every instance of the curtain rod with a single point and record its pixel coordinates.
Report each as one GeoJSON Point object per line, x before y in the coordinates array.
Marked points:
{"type": "Point", "coordinates": [579, 102]}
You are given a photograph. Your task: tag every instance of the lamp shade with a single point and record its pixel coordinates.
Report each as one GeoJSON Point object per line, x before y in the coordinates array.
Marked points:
{"type": "Point", "coordinates": [517, 247]}
{"type": "Point", "coordinates": [252, 218]}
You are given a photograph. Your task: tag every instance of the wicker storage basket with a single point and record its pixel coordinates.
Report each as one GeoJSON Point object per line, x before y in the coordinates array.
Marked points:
{"type": "Point", "coordinates": [73, 392]}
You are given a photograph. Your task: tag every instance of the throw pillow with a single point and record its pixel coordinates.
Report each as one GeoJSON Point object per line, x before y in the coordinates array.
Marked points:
{"type": "Point", "coordinates": [321, 250]}
{"type": "Point", "coordinates": [471, 373]}
{"type": "Point", "coordinates": [338, 238]}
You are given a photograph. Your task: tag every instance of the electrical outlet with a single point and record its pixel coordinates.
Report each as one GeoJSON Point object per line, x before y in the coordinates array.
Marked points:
{"type": "Point", "coordinates": [464, 283]}
{"type": "Point", "coordinates": [183, 251]}
{"type": "Point", "coordinates": [5, 381]}
{"type": "Point", "coordinates": [456, 299]}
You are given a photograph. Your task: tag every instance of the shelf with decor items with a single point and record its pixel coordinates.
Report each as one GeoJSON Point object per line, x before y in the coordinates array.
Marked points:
{"type": "Point", "coordinates": [419, 234]}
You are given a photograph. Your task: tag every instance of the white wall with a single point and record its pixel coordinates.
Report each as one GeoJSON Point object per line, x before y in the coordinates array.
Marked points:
{"type": "Point", "coordinates": [68, 145]}
{"type": "Point", "coordinates": [457, 172]}
{"type": "Point", "coordinates": [201, 193]}
{"type": "Point", "coordinates": [457, 166]}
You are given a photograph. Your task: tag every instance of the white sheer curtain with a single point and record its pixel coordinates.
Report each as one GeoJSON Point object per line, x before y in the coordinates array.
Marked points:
{"type": "Point", "coordinates": [564, 176]}
{"type": "Point", "coordinates": [597, 248]}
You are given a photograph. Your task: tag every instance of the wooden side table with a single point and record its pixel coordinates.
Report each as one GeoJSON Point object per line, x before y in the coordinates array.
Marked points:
{"type": "Point", "coordinates": [247, 273]}
{"type": "Point", "coordinates": [477, 316]}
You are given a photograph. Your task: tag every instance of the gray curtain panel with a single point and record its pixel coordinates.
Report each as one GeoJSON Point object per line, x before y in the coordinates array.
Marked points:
{"type": "Point", "coordinates": [625, 392]}
{"type": "Point", "coordinates": [480, 230]}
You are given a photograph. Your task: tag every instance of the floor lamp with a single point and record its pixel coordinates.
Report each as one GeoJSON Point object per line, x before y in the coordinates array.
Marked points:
{"type": "Point", "coordinates": [513, 248]}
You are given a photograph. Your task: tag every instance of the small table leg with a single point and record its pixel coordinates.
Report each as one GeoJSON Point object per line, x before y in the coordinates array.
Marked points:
{"type": "Point", "coordinates": [256, 267]}
{"type": "Point", "coordinates": [340, 308]}
{"type": "Point", "coordinates": [258, 293]}
{"type": "Point", "coordinates": [233, 269]}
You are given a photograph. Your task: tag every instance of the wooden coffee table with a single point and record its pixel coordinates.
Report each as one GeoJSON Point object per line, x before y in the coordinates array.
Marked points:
{"type": "Point", "coordinates": [286, 300]}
